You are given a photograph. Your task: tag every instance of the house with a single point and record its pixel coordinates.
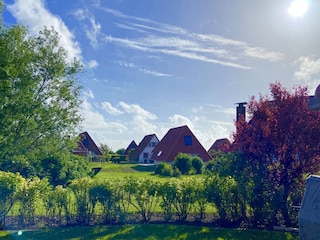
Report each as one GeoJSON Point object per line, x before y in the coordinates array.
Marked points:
{"type": "Point", "coordinates": [178, 140]}
{"type": "Point", "coordinates": [130, 149]}
{"type": "Point", "coordinates": [87, 147]}
{"type": "Point", "coordinates": [143, 153]}
{"type": "Point", "coordinates": [222, 145]}
{"type": "Point", "coordinates": [314, 101]}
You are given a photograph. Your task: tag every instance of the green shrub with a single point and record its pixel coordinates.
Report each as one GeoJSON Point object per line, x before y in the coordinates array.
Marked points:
{"type": "Point", "coordinates": [165, 169]}
{"type": "Point", "coordinates": [197, 164]}
{"type": "Point", "coordinates": [183, 162]}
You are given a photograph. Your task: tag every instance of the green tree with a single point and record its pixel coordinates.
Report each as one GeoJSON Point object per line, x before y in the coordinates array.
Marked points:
{"type": "Point", "coordinates": [39, 99]}
{"type": "Point", "coordinates": [120, 151]}
{"type": "Point", "coordinates": [106, 150]}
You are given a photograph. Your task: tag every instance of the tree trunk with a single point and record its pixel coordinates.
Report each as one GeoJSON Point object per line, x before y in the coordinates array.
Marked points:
{"type": "Point", "coordinates": [284, 205]}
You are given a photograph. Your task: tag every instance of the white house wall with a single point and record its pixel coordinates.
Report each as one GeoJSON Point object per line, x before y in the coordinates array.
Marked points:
{"type": "Point", "coordinates": [149, 150]}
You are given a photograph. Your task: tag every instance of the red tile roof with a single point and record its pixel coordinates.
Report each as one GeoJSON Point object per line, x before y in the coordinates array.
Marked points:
{"type": "Point", "coordinates": [132, 146]}
{"type": "Point", "coordinates": [179, 140]}
{"type": "Point", "coordinates": [222, 144]}
{"type": "Point", "coordinates": [142, 145]}
{"type": "Point", "coordinates": [86, 144]}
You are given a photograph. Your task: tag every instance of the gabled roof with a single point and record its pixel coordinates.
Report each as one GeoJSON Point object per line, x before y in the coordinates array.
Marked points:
{"type": "Point", "coordinates": [87, 144]}
{"type": "Point", "coordinates": [132, 146]}
{"type": "Point", "coordinates": [179, 140]}
{"type": "Point", "coordinates": [222, 145]}
{"type": "Point", "coordinates": [142, 145]}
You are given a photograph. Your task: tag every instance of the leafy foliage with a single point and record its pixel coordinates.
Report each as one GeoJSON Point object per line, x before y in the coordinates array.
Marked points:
{"type": "Point", "coordinates": [280, 147]}
{"type": "Point", "coordinates": [183, 162]}
{"type": "Point", "coordinates": [39, 99]}
{"type": "Point", "coordinates": [10, 188]}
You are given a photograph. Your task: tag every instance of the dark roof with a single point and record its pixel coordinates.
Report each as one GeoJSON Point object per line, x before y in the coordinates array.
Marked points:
{"type": "Point", "coordinates": [142, 145]}
{"type": "Point", "coordinates": [86, 143]}
{"type": "Point", "coordinates": [222, 144]}
{"type": "Point", "coordinates": [179, 140]}
{"type": "Point", "coordinates": [132, 146]}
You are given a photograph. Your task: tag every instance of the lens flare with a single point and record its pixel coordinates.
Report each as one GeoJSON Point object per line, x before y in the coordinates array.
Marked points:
{"type": "Point", "coordinates": [298, 8]}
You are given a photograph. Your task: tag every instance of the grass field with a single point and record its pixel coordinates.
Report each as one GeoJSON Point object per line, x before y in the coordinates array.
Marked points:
{"type": "Point", "coordinates": [150, 232]}
{"type": "Point", "coordinates": [111, 170]}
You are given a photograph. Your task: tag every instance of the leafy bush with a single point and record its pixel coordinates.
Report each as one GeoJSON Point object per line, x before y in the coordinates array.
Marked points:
{"type": "Point", "coordinates": [197, 164]}
{"type": "Point", "coordinates": [183, 162]}
{"type": "Point", "coordinates": [164, 169]}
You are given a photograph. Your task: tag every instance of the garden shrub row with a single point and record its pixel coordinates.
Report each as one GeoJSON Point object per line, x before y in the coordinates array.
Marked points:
{"type": "Point", "coordinates": [88, 200]}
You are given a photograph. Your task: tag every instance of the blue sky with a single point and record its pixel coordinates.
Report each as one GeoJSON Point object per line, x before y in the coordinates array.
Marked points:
{"type": "Point", "coordinates": [151, 65]}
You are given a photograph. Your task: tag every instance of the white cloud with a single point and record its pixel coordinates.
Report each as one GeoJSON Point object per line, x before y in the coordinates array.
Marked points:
{"type": "Point", "coordinates": [101, 130]}
{"type": "Point", "coordinates": [309, 72]}
{"type": "Point", "coordinates": [143, 69]}
{"type": "Point", "coordinates": [141, 118]}
{"type": "Point", "coordinates": [262, 53]}
{"type": "Point", "coordinates": [34, 14]}
{"type": "Point", "coordinates": [110, 109]}
{"type": "Point", "coordinates": [93, 64]}
{"type": "Point", "coordinates": [93, 119]}
{"type": "Point", "coordinates": [179, 120]}
{"type": "Point", "coordinates": [88, 94]}
{"type": "Point", "coordinates": [92, 28]}
{"type": "Point", "coordinates": [162, 38]}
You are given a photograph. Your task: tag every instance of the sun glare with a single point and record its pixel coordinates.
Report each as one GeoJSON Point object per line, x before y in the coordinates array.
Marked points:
{"type": "Point", "coordinates": [298, 8]}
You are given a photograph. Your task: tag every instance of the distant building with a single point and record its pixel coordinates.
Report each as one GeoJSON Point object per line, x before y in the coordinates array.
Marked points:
{"type": "Point", "coordinates": [132, 146]}
{"type": "Point", "coordinates": [143, 153]}
{"type": "Point", "coordinates": [87, 147]}
{"type": "Point", "coordinates": [222, 145]}
{"type": "Point", "coordinates": [178, 140]}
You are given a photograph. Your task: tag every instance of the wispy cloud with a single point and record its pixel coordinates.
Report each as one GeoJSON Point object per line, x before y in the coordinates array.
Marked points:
{"type": "Point", "coordinates": [34, 14]}
{"type": "Point", "coordinates": [91, 27]}
{"type": "Point", "coordinates": [143, 69]}
{"type": "Point", "coordinates": [110, 109]}
{"type": "Point", "coordinates": [155, 37]}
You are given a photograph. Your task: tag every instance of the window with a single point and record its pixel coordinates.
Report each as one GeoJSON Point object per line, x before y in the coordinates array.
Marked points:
{"type": "Point", "coordinates": [159, 153]}
{"type": "Point", "coordinates": [152, 144]}
{"type": "Point", "coordinates": [188, 140]}
{"type": "Point", "coordinates": [145, 155]}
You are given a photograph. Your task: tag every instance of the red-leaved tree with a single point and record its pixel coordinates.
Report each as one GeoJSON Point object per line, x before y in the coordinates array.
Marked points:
{"type": "Point", "coordinates": [281, 142]}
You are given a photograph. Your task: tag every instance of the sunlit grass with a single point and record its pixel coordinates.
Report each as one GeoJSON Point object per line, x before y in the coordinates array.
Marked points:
{"type": "Point", "coordinates": [148, 231]}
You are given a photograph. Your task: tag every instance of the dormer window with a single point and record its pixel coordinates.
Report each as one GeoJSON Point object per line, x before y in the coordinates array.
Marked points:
{"type": "Point", "coordinates": [188, 140]}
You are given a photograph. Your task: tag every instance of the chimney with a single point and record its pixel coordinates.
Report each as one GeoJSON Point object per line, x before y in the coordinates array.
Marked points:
{"type": "Point", "coordinates": [241, 111]}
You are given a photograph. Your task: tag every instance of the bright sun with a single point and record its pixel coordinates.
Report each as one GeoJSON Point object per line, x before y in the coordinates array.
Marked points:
{"type": "Point", "coordinates": [298, 8]}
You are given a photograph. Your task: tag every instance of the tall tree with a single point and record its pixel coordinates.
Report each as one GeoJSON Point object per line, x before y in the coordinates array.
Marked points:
{"type": "Point", "coordinates": [281, 142]}
{"type": "Point", "coordinates": [39, 98]}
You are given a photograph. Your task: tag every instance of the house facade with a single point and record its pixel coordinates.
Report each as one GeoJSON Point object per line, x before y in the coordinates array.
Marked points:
{"type": "Point", "coordinates": [144, 151]}
{"type": "Point", "coordinates": [178, 140]}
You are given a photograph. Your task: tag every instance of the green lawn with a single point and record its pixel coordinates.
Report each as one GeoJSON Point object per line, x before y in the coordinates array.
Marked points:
{"type": "Point", "coordinates": [118, 171]}
{"type": "Point", "coordinates": [112, 170]}
{"type": "Point", "coordinates": [151, 231]}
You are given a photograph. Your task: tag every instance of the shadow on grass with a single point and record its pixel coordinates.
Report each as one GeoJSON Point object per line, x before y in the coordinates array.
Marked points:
{"type": "Point", "coordinates": [150, 231]}
{"type": "Point", "coordinates": [144, 168]}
